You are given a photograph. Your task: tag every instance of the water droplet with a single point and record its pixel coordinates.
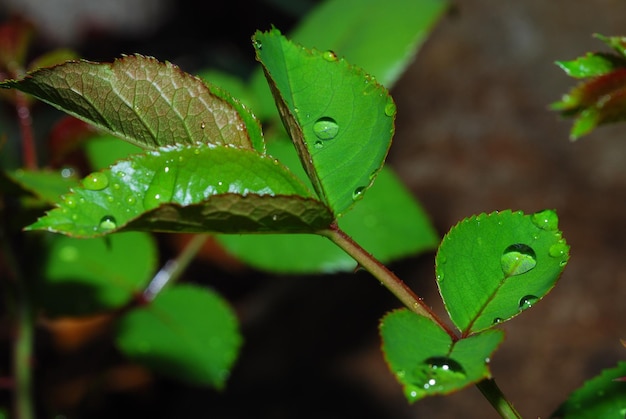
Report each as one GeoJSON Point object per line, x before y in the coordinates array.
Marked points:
{"type": "Point", "coordinates": [442, 259]}
{"type": "Point", "coordinates": [70, 201]}
{"type": "Point", "coordinates": [257, 44]}
{"type": "Point", "coordinates": [325, 128]}
{"type": "Point", "coordinates": [96, 181]}
{"type": "Point", "coordinates": [546, 220]}
{"type": "Point", "coordinates": [527, 302]}
{"type": "Point", "coordinates": [110, 199]}
{"type": "Point", "coordinates": [130, 200]}
{"type": "Point", "coordinates": [390, 108]}
{"type": "Point", "coordinates": [329, 55]}
{"type": "Point", "coordinates": [202, 125]}
{"type": "Point", "coordinates": [497, 320]}
{"type": "Point", "coordinates": [108, 223]}
{"type": "Point", "coordinates": [518, 259]}
{"type": "Point", "coordinates": [274, 217]}
{"type": "Point", "coordinates": [120, 174]}
{"type": "Point", "coordinates": [358, 192]}
{"type": "Point", "coordinates": [440, 277]}
{"type": "Point", "coordinates": [319, 144]}
{"type": "Point", "coordinates": [437, 374]}
{"type": "Point", "coordinates": [558, 249]}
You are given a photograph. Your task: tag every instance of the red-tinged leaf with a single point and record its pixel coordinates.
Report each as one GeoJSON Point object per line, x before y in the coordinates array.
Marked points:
{"type": "Point", "coordinates": [143, 101]}
{"type": "Point", "coordinates": [591, 92]}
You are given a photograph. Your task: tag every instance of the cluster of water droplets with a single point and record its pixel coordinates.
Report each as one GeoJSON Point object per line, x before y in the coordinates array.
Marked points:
{"type": "Point", "coordinates": [434, 375]}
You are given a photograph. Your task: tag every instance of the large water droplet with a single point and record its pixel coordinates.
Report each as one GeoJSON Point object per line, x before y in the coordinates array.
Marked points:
{"type": "Point", "coordinates": [108, 223]}
{"type": "Point", "coordinates": [527, 302]}
{"type": "Point", "coordinates": [558, 249]}
{"type": "Point", "coordinates": [329, 55]}
{"type": "Point", "coordinates": [390, 108]}
{"type": "Point", "coordinates": [325, 128]}
{"type": "Point", "coordinates": [518, 259]}
{"type": "Point", "coordinates": [96, 181]}
{"type": "Point", "coordinates": [546, 220]}
{"type": "Point", "coordinates": [358, 192]}
{"type": "Point", "coordinates": [67, 172]}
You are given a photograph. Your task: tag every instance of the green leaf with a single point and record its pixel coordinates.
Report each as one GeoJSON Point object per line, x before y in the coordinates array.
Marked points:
{"type": "Point", "coordinates": [47, 185]}
{"type": "Point", "coordinates": [188, 189]}
{"type": "Point", "coordinates": [388, 222]}
{"type": "Point", "coordinates": [427, 362]}
{"type": "Point", "coordinates": [591, 65]}
{"type": "Point", "coordinates": [340, 120]}
{"type": "Point", "coordinates": [601, 397]}
{"type": "Point", "coordinates": [382, 37]}
{"type": "Point", "coordinates": [492, 267]}
{"type": "Point", "coordinates": [187, 332]}
{"type": "Point", "coordinates": [87, 276]}
{"type": "Point", "coordinates": [143, 101]}
{"type": "Point", "coordinates": [105, 150]}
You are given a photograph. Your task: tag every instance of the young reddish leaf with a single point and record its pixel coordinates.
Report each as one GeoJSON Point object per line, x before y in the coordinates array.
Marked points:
{"type": "Point", "coordinates": [146, 102]}
{"type": "Point", "coordinates": [189, 189]}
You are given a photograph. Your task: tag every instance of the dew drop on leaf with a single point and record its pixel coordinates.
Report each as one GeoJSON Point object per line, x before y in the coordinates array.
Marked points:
{"type": "Point", "coordinates": [518, 259]}
{"type": "Point", "coordinates": [546, 220]}
{"type": "Point", "coordinates": [202, 125]}
{"type": "Point", "coordinates": [108, 223]}
{"type": "Point", "coordinates": [497, 320]}
{"type": "Point", "coordinates": [438, 374]}
{"type": "Point", "coordinates": [70, 201]}
{"type": "Point", "coordinates": [96, 181]}
{"type": "Point", "coordinates": [558, 250]}
{"type": "Point", "coordinates": [527, 302]}
{"type": "Point", "coordinates": [357, 192]}
{"type": "Point", "coordinates": [325, 128]}
{"type": "Point", "coordinates": [329, 55]}
{"type": "Point", "coordinates": [390, 108]}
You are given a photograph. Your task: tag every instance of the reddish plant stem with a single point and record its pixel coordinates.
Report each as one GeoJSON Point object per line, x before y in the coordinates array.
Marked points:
{"type": "Point", "coordinates": [385, 276]}
{"type": "Point", "coordinates": [29, 153]}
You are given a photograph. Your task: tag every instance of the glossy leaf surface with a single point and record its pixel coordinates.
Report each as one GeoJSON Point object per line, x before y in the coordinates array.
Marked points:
{"type": "Point", "coordinates": [187, 332]}
{"type": "Point", "coordinates": [94, 275]}
{"type": "Point", "coordinates": [338, 117]}
{"type": "Point", "coordinates": [189, 189]}
{"type": "Point", "coordinates": [491, 267]}
{"type": "Point", "coordinates": [146, 102]}
{"type": "Point", "coordinates": [601, 397]}
{"type": "Point", "coordinates": [426, 362]}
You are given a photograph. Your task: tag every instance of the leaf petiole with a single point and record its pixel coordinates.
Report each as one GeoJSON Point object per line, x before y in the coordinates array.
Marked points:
{"type": "Point", "coordinates": [384, 275]}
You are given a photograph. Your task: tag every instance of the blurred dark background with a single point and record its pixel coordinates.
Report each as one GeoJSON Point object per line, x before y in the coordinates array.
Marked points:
{"type": "Point", "coordinates": [474, 134]}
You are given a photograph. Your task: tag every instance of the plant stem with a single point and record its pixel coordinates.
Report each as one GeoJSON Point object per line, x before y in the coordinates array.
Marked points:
{"type": "Point", "coordinates": [494, 395]}
{"type": "Point", "coordinates": [173, 268]}
{"type": "Point", "coordinates": [22, 358]}
{"type": "Point", "coordinates": [22, 322]}
{"type": "Point", "coordinates": [29, 154]}
{"type": "Point", "coordinates": [384, 275]}
{"type": "Point", "coordinates": [489, 388]}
